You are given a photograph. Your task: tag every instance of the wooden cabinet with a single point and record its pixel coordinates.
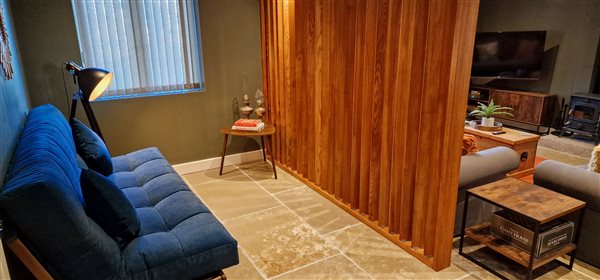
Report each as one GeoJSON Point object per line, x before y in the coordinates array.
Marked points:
{"type": "Point", "coordinates": [533, 108]}
{"type": "Point", "coordinates": [524, 143]}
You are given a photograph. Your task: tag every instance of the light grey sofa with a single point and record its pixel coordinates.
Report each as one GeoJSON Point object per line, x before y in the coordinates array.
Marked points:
{"type": "Point", "coordinates": [479, 169]}
{"type": "Point", "coordinates": [584, 185]}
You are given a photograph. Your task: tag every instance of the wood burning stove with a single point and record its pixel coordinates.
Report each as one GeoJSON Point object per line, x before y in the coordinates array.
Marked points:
{"type": "Point", "coordinates": [584, 116]}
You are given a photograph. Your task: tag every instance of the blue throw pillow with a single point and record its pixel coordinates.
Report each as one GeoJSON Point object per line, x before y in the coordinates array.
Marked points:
{"type": "Point", "coordinates": [91, 148]}
{"type": "Point", "coordinates": [108, 206]}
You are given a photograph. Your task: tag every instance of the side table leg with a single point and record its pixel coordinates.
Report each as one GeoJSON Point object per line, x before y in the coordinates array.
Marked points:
{"type": "Point", "coordinates": [270, 140]}
{"type": "Point", "coordinates": [223, 154]}
{"type": "Point", "coordinates": [463, 223]}
{"type": "Point", "coordinates": [536, 234]}
{"type": "Point", "coordinates": [576, 238]}
{"type": "Point", "coordinates": [262, 143]}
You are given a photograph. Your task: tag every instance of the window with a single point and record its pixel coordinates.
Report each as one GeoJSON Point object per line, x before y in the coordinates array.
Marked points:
{"type": "Point", "coordinates": [152, 47]}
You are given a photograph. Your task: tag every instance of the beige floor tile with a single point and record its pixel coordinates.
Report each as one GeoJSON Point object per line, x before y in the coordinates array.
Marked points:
{"type": "Point", "coordinates": [338, 267]}
{"type": "Point", "coordinates": [547, 272]}
{"type": "Point", "coordinates": [234, 197]}
{"type": "Point", "coordinates": [316, 210]}
{"type": "Point", "coordinates": [586, 269]}
{"type": "Point", "coordinates": [259, 170]}
{"type": "Point", "coordinates": [561, 157]}
{"type": "Point", "coordinates": [243, 271]}
{"type": "Point", "coordinates": [473, 269]}
{"type": "Point", "coordinates": [382, 259]}
{"type": "Point", "coordinates": [278, 241]}
{"type": "Point", "coordinates": [211, 175]}
{"type": "Point", "coordinates": [262, 173]}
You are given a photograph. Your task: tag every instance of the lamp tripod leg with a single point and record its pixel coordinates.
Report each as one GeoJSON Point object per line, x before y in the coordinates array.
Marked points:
{"type": "Point", "coordinates": [92, 118]}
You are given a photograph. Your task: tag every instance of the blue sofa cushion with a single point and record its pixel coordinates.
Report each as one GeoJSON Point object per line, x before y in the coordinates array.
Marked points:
{"type": "Point", "coordinates": [91, 148]}
{"type": "Point", "coordinates": [179, 237]}
{"type": "Point", "coordinates": [42, 200]}
{"type": "Point", "coordinates": [107, 205]}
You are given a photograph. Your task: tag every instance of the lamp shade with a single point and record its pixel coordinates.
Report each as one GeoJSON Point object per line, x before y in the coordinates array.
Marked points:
{"type": "Point", "coordinates": [93, 82]}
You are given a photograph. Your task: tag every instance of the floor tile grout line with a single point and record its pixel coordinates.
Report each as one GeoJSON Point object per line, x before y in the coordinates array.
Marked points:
{"type": "Point", "coordinates": [214, 180]}
{"type": "Point", "coordinates": [289, 190]}
{"type": "Point", "coordinates": [342, 229]}
{"type": "Point", "coordinates": [358, 266]}
{"type": "Point", "coordinates": [463, 277]}
{"type": "Point", "coordinates": [248, 214]}
{"type": "Point", "coordinates": [304, 266]}
{"type": "Point", "coordinates": [584, 274]}
{"type": "Point", "coordinates": [260, 272]}
{"type": "Point", "coordinates": [308, 225]}
{"type": "Point", "coordinates": [322, 235]}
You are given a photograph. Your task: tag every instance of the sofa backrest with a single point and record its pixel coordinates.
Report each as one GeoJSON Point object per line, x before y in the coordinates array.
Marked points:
{"type": "Point", "coordinates": [42, 200]}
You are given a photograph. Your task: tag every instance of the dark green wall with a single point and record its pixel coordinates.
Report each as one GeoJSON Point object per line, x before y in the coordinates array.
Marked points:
{"type": "Point", "coordinates": [184, 127]}
{"type": "Point", "coordinates": [573, 31]}
{"type": "Point", "coordinates": [14, 104]}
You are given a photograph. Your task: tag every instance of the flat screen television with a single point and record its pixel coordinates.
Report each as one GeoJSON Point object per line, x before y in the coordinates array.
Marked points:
{"type": "Point", "coordinates": [508, 55]}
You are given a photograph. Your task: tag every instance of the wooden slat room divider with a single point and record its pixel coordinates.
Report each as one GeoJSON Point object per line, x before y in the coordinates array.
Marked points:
{"type": "Point", "coordinates": [369, 98]}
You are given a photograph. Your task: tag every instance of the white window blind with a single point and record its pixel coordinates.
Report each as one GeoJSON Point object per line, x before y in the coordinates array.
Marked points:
{"type": "Point", "coordinates": [152, 47]}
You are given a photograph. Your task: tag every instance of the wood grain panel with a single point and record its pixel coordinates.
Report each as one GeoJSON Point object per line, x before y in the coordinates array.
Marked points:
{"type": "Point", "coordinates": [368, 97]}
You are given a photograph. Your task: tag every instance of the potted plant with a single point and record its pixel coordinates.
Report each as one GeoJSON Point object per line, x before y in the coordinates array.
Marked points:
{"type": "Point", "coordinates": [487, 112]}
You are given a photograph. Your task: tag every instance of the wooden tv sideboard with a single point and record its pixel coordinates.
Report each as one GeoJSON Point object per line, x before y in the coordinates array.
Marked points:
{"type": "Point", "coordinates": [532, 108]}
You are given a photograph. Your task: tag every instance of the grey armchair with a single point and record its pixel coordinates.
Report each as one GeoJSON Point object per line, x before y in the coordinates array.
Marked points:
{"type": "Point", "coordinates": [584, 185]}
{"type": "Point", "coordinates": [479, 169]}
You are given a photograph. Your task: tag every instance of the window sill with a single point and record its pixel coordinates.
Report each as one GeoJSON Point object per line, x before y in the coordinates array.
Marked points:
{"type": "Point", "coordinates": [151, 94]}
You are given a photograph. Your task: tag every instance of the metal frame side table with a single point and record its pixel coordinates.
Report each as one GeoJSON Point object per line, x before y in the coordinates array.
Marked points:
{"type": "Point", "coordinates": [267, 133]}
{"type": "Point", "coordinates": [535, 204]}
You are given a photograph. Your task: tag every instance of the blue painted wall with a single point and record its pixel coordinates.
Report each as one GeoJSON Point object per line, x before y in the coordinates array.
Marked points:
{"type": "Point", "coordinates": [14, 103]}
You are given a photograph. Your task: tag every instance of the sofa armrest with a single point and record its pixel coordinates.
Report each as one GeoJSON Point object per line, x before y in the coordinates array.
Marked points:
{"type": "Point", "coordinates": [570, 180]}
{"type": "Point", "coordinates": [486, 166]}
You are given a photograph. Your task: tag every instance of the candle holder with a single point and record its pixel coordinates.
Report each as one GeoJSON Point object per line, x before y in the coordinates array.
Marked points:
{"type": "Point", "coordinates": [246, 110]}
{"type": "Point", "coordinates": [260, 110]}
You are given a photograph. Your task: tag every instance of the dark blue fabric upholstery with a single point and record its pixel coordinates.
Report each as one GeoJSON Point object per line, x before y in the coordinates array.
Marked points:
{"type": "Point", "coordinates": [107, 205]}
{"type": "Point", "coordinates": [91, 148]}
{"type": "Point", "coordinates": [42, 198]}
{"type": "Point", "coordinates": [179, 237]}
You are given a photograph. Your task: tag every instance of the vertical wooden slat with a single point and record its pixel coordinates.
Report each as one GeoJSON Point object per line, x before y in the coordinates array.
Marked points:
{"type": "Point", "coordinates": [377, 107]}
{"type": "Point", "coordinates": [349, 32]}
{"type": "Point", "coordinates": [357, 96]}
{"type": "Point", "coordinates": [310, 88]}
{"type": "Point", "coordinates": [389, 88]}
{"type": "Point", "coordinates": [368, 97]}
{"type": "Point", "coordinates": [280, 97]}
{"type": "Point", "coordinates": [326, 102]}
{"type": "Point", "coordinates": [460, 67]}
{"type": "Point", "coordinates": [367, 104]}
{"type": "Point", "coordinates": [401, 195]}
{"type": "Point", "coordinates": [318, 137]}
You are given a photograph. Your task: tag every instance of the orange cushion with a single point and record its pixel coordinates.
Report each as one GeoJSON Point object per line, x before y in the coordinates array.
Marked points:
{"type": "Point", "coordinates": [469, 144]}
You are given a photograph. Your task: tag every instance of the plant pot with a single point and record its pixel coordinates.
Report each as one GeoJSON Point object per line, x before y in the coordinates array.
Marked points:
{"type": "Point", "coordinates": [487, 121]}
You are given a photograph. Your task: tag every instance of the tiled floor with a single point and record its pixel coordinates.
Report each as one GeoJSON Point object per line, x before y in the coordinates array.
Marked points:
{"type": "Point", "coordinates": [286, 230]}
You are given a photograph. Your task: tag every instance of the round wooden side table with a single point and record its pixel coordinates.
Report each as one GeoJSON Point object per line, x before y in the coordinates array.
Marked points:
{"type": "Point", "coordinates": [268, 131]}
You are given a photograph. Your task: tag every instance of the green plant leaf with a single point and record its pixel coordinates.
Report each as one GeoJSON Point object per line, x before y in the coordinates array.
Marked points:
{"type": "Point", "coordinates": [477, 113]}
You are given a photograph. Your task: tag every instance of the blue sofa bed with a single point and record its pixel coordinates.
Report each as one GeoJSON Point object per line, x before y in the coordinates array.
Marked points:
{"type": "Point", "coordinates": [41, 202]}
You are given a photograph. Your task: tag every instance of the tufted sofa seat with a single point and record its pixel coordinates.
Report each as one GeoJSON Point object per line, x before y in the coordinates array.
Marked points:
{"type": "Point", "coordinates": [41, 201]}
{"type": "Point", "coordinates": [188, 232]}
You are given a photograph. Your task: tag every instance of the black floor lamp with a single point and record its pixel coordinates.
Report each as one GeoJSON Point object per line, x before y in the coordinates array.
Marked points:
{"type": "Point", "coordinates": [91, 82]}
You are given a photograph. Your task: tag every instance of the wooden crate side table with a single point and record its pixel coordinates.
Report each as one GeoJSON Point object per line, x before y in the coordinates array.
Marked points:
{"type": "Point", "coordinates": [265, 135]}
{"type": "Point", "coordinates": [524, 143]}
{"type": "Point", "coordinates": [534, 203]}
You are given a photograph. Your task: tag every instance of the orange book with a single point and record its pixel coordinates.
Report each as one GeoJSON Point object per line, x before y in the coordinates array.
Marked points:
{"type": "Point", "coordinates": [247, 122]}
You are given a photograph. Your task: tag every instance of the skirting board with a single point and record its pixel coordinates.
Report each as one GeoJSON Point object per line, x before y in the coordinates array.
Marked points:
{"type": "Point", "coordinates": [210, 163]}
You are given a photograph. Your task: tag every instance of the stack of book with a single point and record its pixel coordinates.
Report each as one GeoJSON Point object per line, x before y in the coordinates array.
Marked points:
{"type": "Point", "coordinates": [248, 125]}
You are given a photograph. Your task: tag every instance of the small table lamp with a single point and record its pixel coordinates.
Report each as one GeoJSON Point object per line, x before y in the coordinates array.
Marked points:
{"type": "Point", "coordinates": [92, 82]}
